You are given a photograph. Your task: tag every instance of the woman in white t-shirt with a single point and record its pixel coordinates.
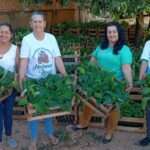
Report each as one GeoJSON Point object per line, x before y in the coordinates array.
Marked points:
{"type": "Point", "coordinates": [144, 70]}
{"type": "Point", "coordinates": [40, 56]}
{"type": "Point", "coordinates": [8, 61]}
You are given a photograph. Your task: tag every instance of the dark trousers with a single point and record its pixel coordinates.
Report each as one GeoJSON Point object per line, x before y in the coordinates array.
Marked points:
{"type": "Point", "coordinates": [6, 112]}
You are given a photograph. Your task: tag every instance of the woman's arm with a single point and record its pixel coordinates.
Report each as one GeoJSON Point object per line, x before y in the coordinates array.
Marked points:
{"type": "Point", "coordinates": [22, 71]}
{"type": "Point", "coordinates": [127, 71]}
{"type": "Point", "coordinates": [143, 68]}
{"type": "Point", "coordinates": [60, 65]}
{"type": "Point", "coordinates": [17, 61]}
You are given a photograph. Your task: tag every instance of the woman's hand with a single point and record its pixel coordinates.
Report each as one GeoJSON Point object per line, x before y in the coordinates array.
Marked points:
{"type": "Point", "coordinates": [143, 68]}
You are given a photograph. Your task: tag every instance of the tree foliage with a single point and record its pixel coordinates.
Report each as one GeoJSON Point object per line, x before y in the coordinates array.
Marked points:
{"type": "Point", "coordinates": [115, 8]}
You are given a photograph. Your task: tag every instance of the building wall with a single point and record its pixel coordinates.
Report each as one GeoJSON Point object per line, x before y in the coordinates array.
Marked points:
{"type": "Point", "coordinates": [18, 14]}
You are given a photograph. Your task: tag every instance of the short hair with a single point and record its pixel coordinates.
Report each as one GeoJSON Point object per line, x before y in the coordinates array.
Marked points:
{"type": "Point", "coordinates": [8, 25]}
{"type": "Point", "coordinates": [121, 35]}
{"type": "Point", "coordinates": [38, 13]}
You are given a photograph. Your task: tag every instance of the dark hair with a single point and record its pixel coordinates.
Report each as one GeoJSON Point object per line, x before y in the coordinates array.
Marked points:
{"type": "Point", "coordinates": [38, 13]}
{"type": "Point", "coordinates": [8, 25]}
{"type": "Point", "coordinates": [121, 35]}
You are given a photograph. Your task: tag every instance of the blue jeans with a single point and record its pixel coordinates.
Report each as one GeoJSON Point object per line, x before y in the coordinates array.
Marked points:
{"type": "Point", "coordinates": [33, 128]}
{"type": "Point", "coordinates": [6, 115]}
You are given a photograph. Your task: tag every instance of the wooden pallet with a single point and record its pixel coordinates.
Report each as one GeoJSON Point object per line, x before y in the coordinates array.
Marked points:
{"type": "Point", "coordinates": [128, 124]}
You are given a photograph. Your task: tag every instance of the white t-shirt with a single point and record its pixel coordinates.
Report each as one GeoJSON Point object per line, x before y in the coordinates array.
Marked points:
{"type": "Point", "coordinates": [8, 60]}
{"type": "Point", "coordinates": [146, 54]}
{"type": "Point", "coordinates": [41, 55]}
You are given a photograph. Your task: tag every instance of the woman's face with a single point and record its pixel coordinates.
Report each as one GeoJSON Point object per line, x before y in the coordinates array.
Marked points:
{"type": "Point", "coordinates": [112, 34]}
{"type": "Point", "coordinates": [38, 23]}
{"type": "Point", "coordinates": [5, 34]}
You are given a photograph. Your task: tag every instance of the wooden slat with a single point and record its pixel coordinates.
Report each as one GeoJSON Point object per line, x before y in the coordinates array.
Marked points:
{"type": "Point", "coordinates": [18, 108]}
{"type": "Point", "coordinates": [131, 119]}
{"type": "Point", "coordinates": [136, 97]}
{"type": "Point", "coordinates": [41, 117]}
{"type": "Point", "coordinates": [131, 129]}
{"type": "Point", "coordinates": [135, 89]}
{"type": "Point", "coordinates": [20, 117]}
{"type": "Point", "coordinates": [92, 107]}
{"type": "Point", "coordinates": [123, 127]}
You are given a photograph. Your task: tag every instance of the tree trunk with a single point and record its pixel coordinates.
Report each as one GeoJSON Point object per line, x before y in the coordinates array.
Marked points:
{"type": "Point", "coordinates": [139, 29]}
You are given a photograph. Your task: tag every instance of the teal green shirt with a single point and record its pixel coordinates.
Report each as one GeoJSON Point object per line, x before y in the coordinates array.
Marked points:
{"type": "Point", "coordinates": [111, 62]}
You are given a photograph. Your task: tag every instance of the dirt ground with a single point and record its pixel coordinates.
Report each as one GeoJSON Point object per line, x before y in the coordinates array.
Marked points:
{"type": "Point", "coordinates": [85, 140]}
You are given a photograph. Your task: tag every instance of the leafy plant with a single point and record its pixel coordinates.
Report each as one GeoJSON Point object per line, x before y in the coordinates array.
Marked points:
{"type": "Point", "coordinates": [6, 81]}
{"type": "Point", "coordinates": [132, 109]}
{"type": "Point", "coordinates": [101, 84]}
{"type": "Point", "coordinates": [49, 92]}
{"type": "Point", "coordinates": [20, 33]}
{"type": "Point", "coordinates": [29, 2]}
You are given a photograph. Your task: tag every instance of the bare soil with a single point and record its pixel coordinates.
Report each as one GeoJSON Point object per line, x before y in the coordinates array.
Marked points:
{"type": "Point", "coordinates": [79, 140]}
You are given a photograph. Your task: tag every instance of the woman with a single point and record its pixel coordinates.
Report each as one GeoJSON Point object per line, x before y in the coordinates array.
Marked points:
{"type": "Point", "coordinates": [145, 69]}
{"type": "Point", "coordinates": [115, 56]}
{"type": "Point", "coordinates": [8, 61]}
{"type": "Point", "coordinates": [40, 56]}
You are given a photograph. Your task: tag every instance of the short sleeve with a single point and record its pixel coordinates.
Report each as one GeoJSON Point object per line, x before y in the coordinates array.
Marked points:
{"type": "Point", "coordinates": [56, 49]}
{"type": "Point", "coordinates": [126, 55]}
{"type": "Point", "coordinates": [24, 50]}
{"type": "Point", "coordinates": [95, 52]}
{"type": "Point", "coordinates": [146, 52]}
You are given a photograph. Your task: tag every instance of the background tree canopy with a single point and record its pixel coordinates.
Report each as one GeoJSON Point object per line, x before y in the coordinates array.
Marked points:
{"type": "Point", "coordinates": [118, 9]}
{"type": "Point", "coordinates": [115, 8]}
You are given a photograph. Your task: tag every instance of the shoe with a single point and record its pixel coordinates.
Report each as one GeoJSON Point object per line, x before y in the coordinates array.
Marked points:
{"type": "Point", "coordinates": [1, 146]}
{"type": "Point", "coordinates": [106, 141]}
{"type": "Point", "coordinates": [33, 146]}
{"type": "Point", "coordinates": [76, 128]}
{"type": "Point", "coordinates": [145, 141]}
{"type": "Point", "coordinates": [54, 140]}
{"type": "Point", "coordinates": [12, 143]}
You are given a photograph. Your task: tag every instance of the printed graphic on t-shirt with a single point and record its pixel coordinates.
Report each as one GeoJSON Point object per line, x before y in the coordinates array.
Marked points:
{"type": "Point", "coordinates": [42, 62]}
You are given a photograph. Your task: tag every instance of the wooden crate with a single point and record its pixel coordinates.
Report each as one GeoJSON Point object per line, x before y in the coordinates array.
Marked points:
{"type": "Point", "coordinates": [132, 124]}
{"type": "Point", "coordinates": [19, 113]}
{"type": "Point", "coordinates": [71, 59]}
{"type": "Point", "coordinates": [136, 94]}
{"type": "Point", "coordinates": [101, 109]}
{"type": "Point", "coordinates": [71, 62]}
{"type": "Point", "coordinates": [92, 32]}
{"type": "Point", "coordinates": [56, 31]}
{"type": "Point", "coordinates": [75, 31]}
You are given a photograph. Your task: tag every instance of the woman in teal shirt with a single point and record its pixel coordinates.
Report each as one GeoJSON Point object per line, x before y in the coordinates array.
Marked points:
{"type": "Point", "coordinates": [115, 56]}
